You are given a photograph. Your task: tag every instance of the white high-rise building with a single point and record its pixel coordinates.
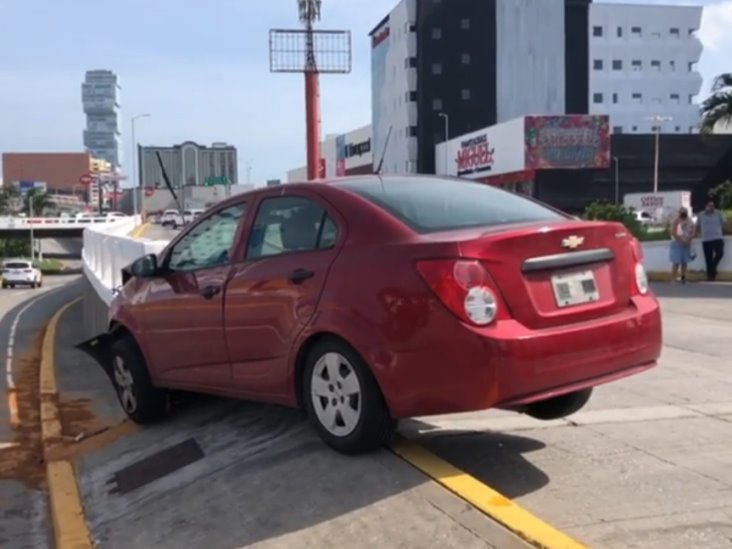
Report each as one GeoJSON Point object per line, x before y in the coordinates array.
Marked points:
{"type": "Point", "coordinates": [100, 98]}
{"type": "Point", "coordinates": [643, 64]}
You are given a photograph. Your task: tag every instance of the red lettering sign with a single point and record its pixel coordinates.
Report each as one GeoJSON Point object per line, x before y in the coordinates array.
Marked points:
{"type": "Point", "coordinates": [475, 155]}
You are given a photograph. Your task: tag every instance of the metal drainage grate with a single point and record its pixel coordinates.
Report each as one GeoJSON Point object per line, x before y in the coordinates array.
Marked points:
{"type": "Point", "coordinates": [156, 466]}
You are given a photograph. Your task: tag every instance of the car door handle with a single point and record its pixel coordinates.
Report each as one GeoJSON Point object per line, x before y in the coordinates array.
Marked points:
{"type": "Point", "coordinates": [301, 275]}
{"type": "Point", "coordinates": [210, 291]}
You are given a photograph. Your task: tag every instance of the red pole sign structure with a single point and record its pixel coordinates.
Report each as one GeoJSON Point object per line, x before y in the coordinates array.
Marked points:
{"type": "Point", "coordinates": [298, 51]}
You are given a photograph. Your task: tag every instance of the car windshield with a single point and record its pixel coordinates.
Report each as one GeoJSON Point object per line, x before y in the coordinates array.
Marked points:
{"type": "Point", "coordinates": [433, 204]}
{"type": "Point", "coordinates": [17, 265]}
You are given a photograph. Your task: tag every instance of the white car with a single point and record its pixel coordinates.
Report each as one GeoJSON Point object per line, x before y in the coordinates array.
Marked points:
{"type": "Point", "coordinates": [172, 218]}
{"type": "Point", "coordinates": [644, 218]}
{"type": "Point", "coordinates": [21, 272]}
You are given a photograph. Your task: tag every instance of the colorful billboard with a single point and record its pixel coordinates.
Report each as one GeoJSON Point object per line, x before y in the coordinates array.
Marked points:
{"type": "Point", "coordinates": [567, 142]}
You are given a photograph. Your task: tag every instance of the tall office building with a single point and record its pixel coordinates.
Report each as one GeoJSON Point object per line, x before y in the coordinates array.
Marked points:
{"type": "Point", "coordinates": [189, 164]}
{"type": "Point", "coordinates": [447, 67]}
{"type": "Point", "coordinates": [643, 64]}
{"type": "Point", "coordinates": [100, 98]}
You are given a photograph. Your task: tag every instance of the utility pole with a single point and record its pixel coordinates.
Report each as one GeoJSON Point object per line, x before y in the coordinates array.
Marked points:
{"type": "Point", "coordinates": [617, 179]}
{"type": "Point", "coordinates": [447, 137]}
{"type": "Point", "coordinates": [658, 120]}
{"type": "Point", "coordinates": [32, 236]}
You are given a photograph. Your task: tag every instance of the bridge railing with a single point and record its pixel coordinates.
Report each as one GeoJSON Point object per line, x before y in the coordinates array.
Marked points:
{"type": "Point", "coordinates": [109, 248]}
{"type": "Point", "coordinates": [59, 222]}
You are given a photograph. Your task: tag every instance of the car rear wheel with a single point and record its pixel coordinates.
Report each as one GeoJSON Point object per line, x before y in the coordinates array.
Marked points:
{"type": "Point", "coordinates": [560, 406]}
{"type": "Point", "coordinates": [343, 400]}
{"type": "Point", "coordinates": [139, 398]}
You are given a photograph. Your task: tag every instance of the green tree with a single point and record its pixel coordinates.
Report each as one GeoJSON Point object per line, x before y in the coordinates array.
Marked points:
{"type": "Point", "coordinates": [8, 200]}
{"type": "Point", "coordinates": [41, 201]}
{"type": "Point", "coordinates": [717, 108]}
{"type": "Point", "coordinates": [722, 193]}
{"type": "Point", "coordinates": [602, 210]}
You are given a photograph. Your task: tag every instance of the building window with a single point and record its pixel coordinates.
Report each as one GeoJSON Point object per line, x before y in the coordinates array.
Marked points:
{"type": "Point", "coordinates": [655, 128]}
{"type": "Point", "coordinates": [412, 27]}
{"type": "Point", "coordinates": [636, 64]}
{"type": "Point", "coordinates": [437, 104]}
{"type": "Point", "coordinates": [615, 98]}
{"type": "Point", "coordinates": [617, 129]}
{"type": "Point", "coordinates": [691, 66]}
{"type": "Point", "coordinates": [678, 129]}
{"type": "Point", "coordinates": [636, 31]}
{"type": "Point", "coordinates": [617, 65]}
{"type": "Point", "coordinates": [638, 98]}
{"type": "Point", "coordinates": [692, 33]}
{"type": "Point", "coordinates": [656, 64]}
{"type": "Point", "coordinates": [692, 129]}
{"type": "Point", "coordinates": [635, 128]}
{"type": "Point", "coordinates": [410, 96]}
{"type": "Point", "coordinates": [620, 32]}
{"type": "Point", "coordinates": [597, 64]}
{"type": "Point", "coordinates": [672, 64]}
{"type": "Point", "coordinates": [411, 131]}
{"type": "Point", "coordinates": [597, 98]}
{"type": "Point", "coordinates": [410, 63]}
{"type": "Point", "coordinates": [465, 94]}
{"type": "Point", "coordinates": [465, 23]}
{"type": "Point", "coordinates": [674, 32]}
{"type": "Point", "coordinates": [465, 58]}
{"type": "Point", "coordinates": [437, 33]}
{"type": "Point", "coordinates": [691, 99]}
{"type": "Point", "coordinates": [596, 31]}
{"type": "Point", "coordinates": [675, 98]}
{"type": "Point", "coordinates": [436, 68]}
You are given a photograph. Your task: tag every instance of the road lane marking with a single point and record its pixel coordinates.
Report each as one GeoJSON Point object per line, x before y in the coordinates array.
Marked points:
{"type": "Point", "coordinates": [65, 505]}
{"type": "Point", "coordinates": [481, 496]}
{"type": "Point", "coordinates": [138, 232]}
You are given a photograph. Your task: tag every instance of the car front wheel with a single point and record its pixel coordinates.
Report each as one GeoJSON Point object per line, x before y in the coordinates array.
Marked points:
{"type": "Point", "coordinates": [139, 398]}
{"type": "Point", "coordinates": [343, 400]}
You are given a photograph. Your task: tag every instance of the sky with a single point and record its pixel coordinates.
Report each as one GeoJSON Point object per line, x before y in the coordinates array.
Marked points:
{"type": "Point", "coordinates": [201, 70]}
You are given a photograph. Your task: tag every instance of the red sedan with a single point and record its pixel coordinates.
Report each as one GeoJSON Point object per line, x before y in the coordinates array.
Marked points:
{"type": "Point", "coordinates": [365, 300]}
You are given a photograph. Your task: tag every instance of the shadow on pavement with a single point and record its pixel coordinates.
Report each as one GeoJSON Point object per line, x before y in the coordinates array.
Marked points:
{"type": "Point", "coordinates": [492, 457]}
{"type": "Point", "coordinates": [698, 290]}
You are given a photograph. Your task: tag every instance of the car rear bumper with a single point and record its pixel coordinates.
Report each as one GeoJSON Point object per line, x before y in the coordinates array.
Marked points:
{"type": "Point", "coordinates": [509, 365]}
{"type": "Point", "coordinates": [19, 279]}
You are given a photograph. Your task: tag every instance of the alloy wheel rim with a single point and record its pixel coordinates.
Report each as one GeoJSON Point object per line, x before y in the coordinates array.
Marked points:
{"type": "Point", "coordinates": [125, 385]}
{"type": "Point", "coordinates": [335, 391]}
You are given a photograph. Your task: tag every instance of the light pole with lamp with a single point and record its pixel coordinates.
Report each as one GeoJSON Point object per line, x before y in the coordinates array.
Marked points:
{"type": "Point", "coordinates": [135, 182]}
{"type": "Point", "coordinates": [447, 136]}
{"type": "Point", "coordinates": [658, 120]}
{"type": "Point", "coordinates": [32, 236]}
{"type": "Point", "coordinates": [616, 160]}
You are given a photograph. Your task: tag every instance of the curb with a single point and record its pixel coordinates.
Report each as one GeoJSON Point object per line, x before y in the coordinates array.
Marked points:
{"type": "Point", "coordinates": [691, 276]}
{"type": "Point", "coordinates": [65, 506]}
{"type": "Point", "coordinates": [139, 231]}
{"type": "Point", "coordinates": [498, 507]}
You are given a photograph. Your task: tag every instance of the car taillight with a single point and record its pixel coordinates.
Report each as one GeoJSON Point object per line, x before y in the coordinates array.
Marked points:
{"type": "Point", "coordinates": [466, 288]}
{"type": "Point", "coordinates": [641, 279]}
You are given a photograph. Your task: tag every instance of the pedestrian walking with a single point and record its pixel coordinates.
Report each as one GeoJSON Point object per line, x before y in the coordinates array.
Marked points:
{"type": "Point", "coordinates": [682, 233]}
{"type": "Point", "coordinates": [710, 227]}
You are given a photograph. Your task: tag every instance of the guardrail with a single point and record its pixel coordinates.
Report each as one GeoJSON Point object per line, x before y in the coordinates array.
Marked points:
{"type": "Point", "coordinates": [59, 222]}
{"type": "Point", "coordinates": [109, 248]}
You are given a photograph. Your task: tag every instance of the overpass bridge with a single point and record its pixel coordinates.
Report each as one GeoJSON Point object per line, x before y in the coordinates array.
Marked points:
{"type": "Point", "coordinates": [54, 227]}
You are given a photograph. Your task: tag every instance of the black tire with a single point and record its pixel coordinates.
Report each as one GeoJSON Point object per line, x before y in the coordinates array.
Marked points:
{"type": "Point", "coordinates": [12, 286]}
{"type": "Point", "coordinates": [150, 403]}
{"type": "Point", "coordinates": [33, 285]}
{"type": "Point", "coordinates": [374, 427]}
{"type": "Point", "coordinates": [559, 407]}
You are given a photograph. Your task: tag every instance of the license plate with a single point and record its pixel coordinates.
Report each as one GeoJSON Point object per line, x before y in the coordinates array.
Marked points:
{"type": "Point", "coordinates": [575, 288]}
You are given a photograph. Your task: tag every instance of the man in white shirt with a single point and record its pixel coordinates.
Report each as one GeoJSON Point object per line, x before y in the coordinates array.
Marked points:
{"type": "Point", "coordinates": [710, 226]}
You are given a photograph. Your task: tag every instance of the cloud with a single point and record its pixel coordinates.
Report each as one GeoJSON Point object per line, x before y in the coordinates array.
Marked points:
{"type": "Point", "coordinates": [716, 26]}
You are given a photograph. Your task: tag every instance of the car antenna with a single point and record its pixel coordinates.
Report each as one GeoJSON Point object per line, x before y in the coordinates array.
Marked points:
{"type": "Point", "coordinates": [167, 183]}
{"type": "Point", "coordinates": [383, 153]}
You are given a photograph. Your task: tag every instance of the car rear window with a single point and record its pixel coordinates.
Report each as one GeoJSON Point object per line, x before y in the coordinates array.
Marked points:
{"type": "Point", "coordinates": [17, 265]}
{"type": "Point", "coordinates": [433, 204]}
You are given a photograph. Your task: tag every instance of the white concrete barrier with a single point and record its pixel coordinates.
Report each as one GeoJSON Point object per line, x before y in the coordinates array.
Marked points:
{"type": "Point", "coordinates": [656, 256]}
{"type": "Point", "coordinates": [109, 248]}
{"type": "Point", "coordinates": [74, 223]}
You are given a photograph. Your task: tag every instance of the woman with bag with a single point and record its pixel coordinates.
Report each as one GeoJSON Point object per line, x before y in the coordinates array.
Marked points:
{"type": "Point", "coordinates": [682, 233]}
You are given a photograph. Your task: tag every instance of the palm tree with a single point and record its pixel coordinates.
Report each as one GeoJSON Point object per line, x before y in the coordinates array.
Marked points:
{"type": "Point", "coordinates": [717, 108]}
{"type": "Point", "coordinates": [8, 200]}
{"type": "Point", "coordinates": [41, 201]}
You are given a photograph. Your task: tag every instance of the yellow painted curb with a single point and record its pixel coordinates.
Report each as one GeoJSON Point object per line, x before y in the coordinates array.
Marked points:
{"type": "Point", "coordinates": [138, 232]}
{"type": "Point", "coordinates": [501, 509]}
{"type": "Point", "coordinates": [691, 276]}
{"type": "Point", "coordinates": [67, 511]}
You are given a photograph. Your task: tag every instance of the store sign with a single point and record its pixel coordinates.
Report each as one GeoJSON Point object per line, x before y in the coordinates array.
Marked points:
{"type": "Point", "coordinates": [568, 142]}
{"type": "Point", "coordinates": [357, 149]}
{"type": "Point", "coordinates": [379, 36]}
{"type": "Point", "coordinates": [474, 155]}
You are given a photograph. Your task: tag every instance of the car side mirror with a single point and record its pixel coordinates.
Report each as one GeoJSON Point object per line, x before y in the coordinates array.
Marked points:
{"type": "Point", "coordinates": [145, 267]}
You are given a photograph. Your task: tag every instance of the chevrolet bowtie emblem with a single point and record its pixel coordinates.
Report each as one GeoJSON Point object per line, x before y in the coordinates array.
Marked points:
{"type": "Point", "coordinates": [573, 242]}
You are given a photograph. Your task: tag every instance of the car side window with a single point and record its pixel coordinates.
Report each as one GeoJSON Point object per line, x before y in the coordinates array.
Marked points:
{"type": "Point", "coordinates": [209, 242]}
{"type": "Point", "coordinates": [287, 224]}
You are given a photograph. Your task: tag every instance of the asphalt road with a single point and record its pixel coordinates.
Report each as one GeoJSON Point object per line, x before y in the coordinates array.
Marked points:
{"type": "Point", "coordinates": [23, 316]}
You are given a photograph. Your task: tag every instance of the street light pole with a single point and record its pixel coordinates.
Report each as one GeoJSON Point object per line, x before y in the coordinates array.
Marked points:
{"type": "Point", "coordinates": [447, 136]}
{"type": "Point", "coordinates": [32, 236]}
{"type": "Point", "coordinates": [658, 120]}
{"type": "Point", "coordinates": [617, 179]}
{"type": "Point", "coordinates": [135, 182]}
